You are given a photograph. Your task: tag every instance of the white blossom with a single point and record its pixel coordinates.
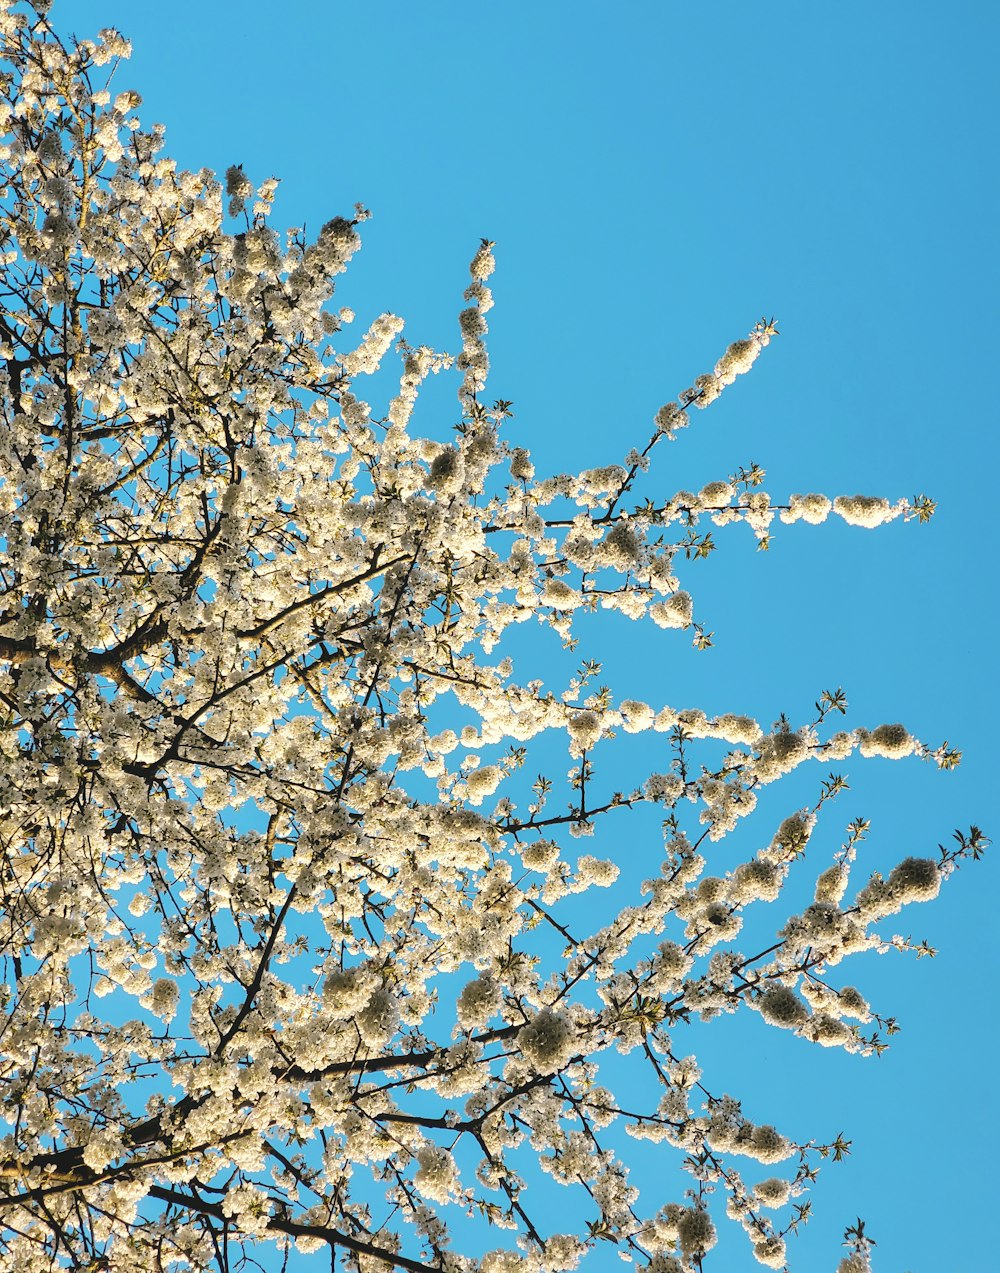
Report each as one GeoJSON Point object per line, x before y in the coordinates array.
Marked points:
{"type": "Point", "coordinates": [891, 741]}
{"type": "Point", "coordinates": [770, 1252]}
{"type": "Point", "coordinates": [478, 1002]}
{"type": "Point", "coordinates": [597, 871]}
{"type": "Point", "coordinates": [102, 1147]}
{"type": "Point", "coordinates": [584, 731]}
{"type": "Point", "coordinates": [813, 508]}
{"type": "Point", "coordinates": [548, 1040]}
{"type": "Point", "coordinates": [864, 510]}
{"type": "Point", "coordinates": [163, 999]}
{"type": "Point", "coordinates": [781, 1006]}
{"type": "Point", "coordinates": [916, 879]}
{"type": "Point", "coordinates": [773, 1192]}
{"type": "Point", "coordinates": [696, 1232]}
{"type": "Point", "coordinates": [675, 612]}
{"type": "Point", "coordinates": [437, 1176]}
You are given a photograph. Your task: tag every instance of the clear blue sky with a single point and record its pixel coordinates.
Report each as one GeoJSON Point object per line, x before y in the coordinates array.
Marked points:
{"type": "Point", "coordinates": [655, 183]}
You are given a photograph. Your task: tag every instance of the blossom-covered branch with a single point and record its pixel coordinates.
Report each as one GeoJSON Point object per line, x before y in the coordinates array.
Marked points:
{"type": "Point", "coordinates": [290, 956]}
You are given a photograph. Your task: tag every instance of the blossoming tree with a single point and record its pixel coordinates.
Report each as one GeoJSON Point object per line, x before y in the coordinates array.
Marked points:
{"type": "Point", "coordinates": [284, 927]}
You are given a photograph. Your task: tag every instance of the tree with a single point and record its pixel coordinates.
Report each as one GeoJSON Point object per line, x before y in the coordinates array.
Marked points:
{"type": "Point", "coordinates": [287, 925]}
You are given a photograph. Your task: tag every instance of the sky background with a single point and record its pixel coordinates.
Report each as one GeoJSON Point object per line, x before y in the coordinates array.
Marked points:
{"type": "Point", "coordinates": [655, 184]}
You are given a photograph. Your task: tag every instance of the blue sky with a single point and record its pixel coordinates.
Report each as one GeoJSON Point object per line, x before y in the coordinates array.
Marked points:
{"type": "Point", "coordinates": [655, 184]}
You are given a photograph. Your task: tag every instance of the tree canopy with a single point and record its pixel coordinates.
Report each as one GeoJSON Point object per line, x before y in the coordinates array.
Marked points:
{"type": "Point", "coordinates": [291, 960]}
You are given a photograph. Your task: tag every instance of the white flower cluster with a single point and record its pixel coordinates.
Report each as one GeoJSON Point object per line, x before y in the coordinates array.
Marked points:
{"type": "Point", "coordinates": [163, 999]}
{"type": "Point", "coordinates": [736, 361]}
{"type": "Point", "coordinates": [548, 1040]}
{"type": "Point", "coordinates": [773, 1192]}
{"type": "Point", "coordinates": [437, 1175]}
{"type": "Point", "coordinates": [483, 782]}
{"type": "Point", "coordinates": [102, 1147]}
{"type": "Point", "coordinates": [770, 1252]}
{"type": "Point", "coordinates": [675, 612]}
{"type": "Point", "coordinates": [584, 731]}
{"type": "Point", "coordinates": [597, 871]}
{"type": "Point", "coordinates": [479, 1000]}
{"type": "Point", "coordinates": [866, 510]}
{"type": "Point", "coordinates": [913, 880]}
{"type": "Point", "coordinates": [367, 358]}
{"type": "Point", "coordinates": [780, 1006]}
{"type": "Point", "coordinates": [809, 508]}
{"type": "Point", "coordinates": [891, 741]}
